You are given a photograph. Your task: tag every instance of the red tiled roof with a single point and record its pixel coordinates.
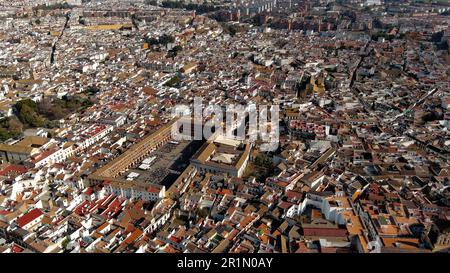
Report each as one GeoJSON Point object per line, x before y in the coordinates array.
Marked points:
{"type": "Point", "coordinates": [16, 249]}
{"type": "Point", "coordinates": [43, 155]}
{"type": "Point", "coordinates": [153, 189]}
{"type": "Point", "coordinates": [285, 205]}
{"type": "Point", "coordinates": [97, 129]}
{"type": "Point", "coordinates": [17, 169]}
{"type": "Point", "coordinates": [81, 208]}
{"type": "Point", "coordinates": [28, 217]}
{"type": "Point", "coordinates": [325, 232]}
{"type": "Point", "coordinates": [225, 191]}
{"type": "Point", "coordinates": [174, 239]}
{"type": "Point", "coordinates": [88, 191]}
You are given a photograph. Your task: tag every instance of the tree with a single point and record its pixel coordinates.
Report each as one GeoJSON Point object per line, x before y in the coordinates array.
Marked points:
{"type": "Point", "coordinates": [241, 146]}
{"type": "Point", "coordinates": [262, 160]}
{"type": "Point", "coordinates": [5, 134]}
{"type": "Point", "coordinates": [15, 126]}
{"type": "Point", "coordinates": [65, 243]}
{"type": "Point", "coordinates": [437, 36]}
{"type": "Point", "coordinates": [166, 39]}
{"type": "Point", "coordinates": [203, 212]}
{"type": "Point", "coordinates": [177, 48]}
{"type": "Point", "coordinates": [174, 51]}
{"type": "Point", "coordinates": [151, 2]}
{"type": "Point", "coordinates": [48, 109]}
{"type": "Point", "coordinates": [10, 128]}
{"type": "Point", "coordinates": [29, 116]}
{"type": "Point", "coordinates": [174, 81]}
{"type": "Point", "coordinates": [82, 21]}
{"type": "Point", "coordinates": [26, 102]}
{"type": "Point", "coordinates": [91, 90]}
{"type": "Point", "coordinates": [152, 41]}
{"type": "Point", "coordinates": [27, 113]}
{"type": "Point", "coordinates": [53, 6]}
